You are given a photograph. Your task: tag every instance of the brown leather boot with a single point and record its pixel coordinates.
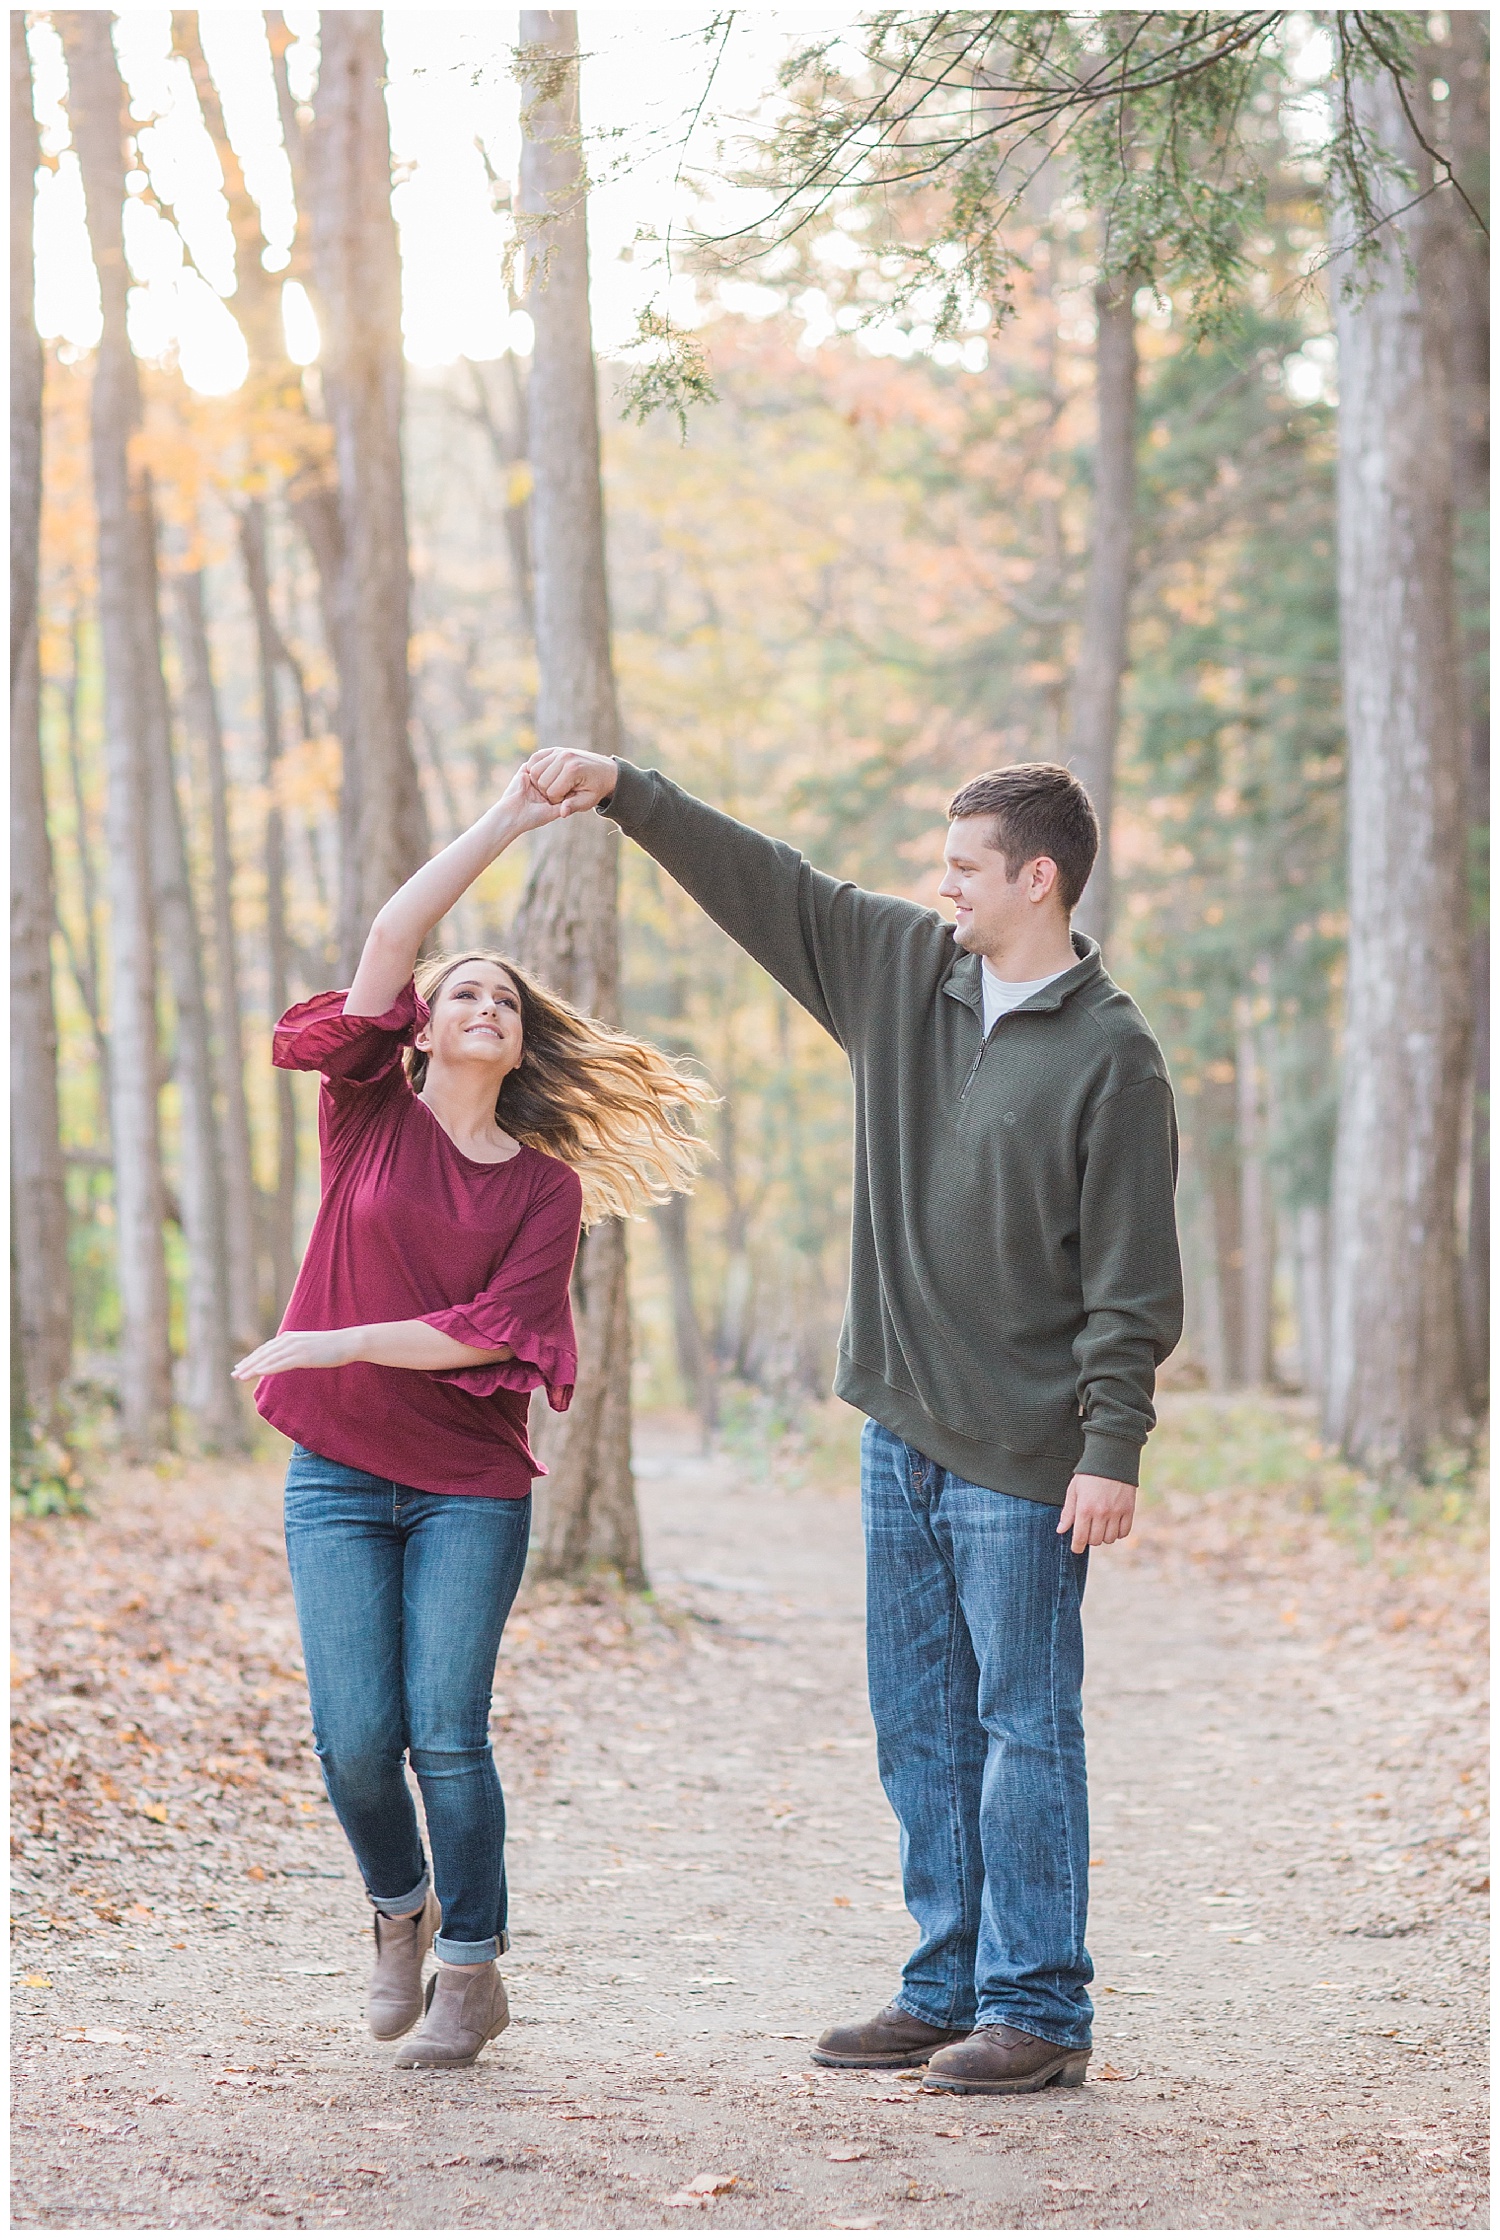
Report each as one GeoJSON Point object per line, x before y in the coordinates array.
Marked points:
{"type": "Point", "coordinates": [995, 2058]}
{"type": "Point", "coordinates": [401, 1945]}
{"type": "Point", "coordinates": [466, 2007]}
{"type": "Point", "coordinates": [892, 2040]}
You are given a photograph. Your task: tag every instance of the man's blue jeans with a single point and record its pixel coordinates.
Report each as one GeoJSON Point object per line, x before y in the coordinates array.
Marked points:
{"type": "Point", "coordinates": [976, 1675]}
{"type": "Point", "coordinates": [401, 1600]}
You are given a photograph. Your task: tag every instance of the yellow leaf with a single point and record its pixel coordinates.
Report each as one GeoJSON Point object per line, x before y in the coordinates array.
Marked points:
{"type": "Point", "coordinates": [154, 1812]}
{"type": "Point", "coordinates": [38, 1983]}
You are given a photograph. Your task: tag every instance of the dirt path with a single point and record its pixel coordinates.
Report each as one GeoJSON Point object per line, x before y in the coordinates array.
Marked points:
{"type": "Point", "coordinates": [1287, 1924]}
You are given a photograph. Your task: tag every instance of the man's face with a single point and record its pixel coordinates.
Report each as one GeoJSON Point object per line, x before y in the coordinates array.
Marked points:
{"type": "Point", "coordinates": [990, 909]}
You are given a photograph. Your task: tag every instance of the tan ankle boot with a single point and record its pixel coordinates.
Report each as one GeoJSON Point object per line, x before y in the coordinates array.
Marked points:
{"type": "Point", "coordinates": [466, 2007]}
{"type": "Point", "coordinates": [401, 1945]}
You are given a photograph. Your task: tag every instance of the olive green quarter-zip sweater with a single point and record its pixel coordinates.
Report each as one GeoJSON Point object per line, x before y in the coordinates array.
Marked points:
{"type": "Point", "coordinates": [1014, 1275]}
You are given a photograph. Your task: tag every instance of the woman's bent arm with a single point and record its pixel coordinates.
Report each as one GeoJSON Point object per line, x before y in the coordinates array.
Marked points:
{"type": "Point", "coordinates": [394, 1345]}
{"type": "Point", "coordinates": [403, 924]}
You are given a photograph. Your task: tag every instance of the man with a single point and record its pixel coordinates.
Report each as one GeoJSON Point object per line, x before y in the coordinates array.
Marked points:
{"type": "Point", "coordinates": [1014, 1284]}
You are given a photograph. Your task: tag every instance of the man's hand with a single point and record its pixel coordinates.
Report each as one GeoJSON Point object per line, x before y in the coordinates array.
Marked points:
{"type": "Point", "coordinates": [572, 780]}
{"type": "Point", "coordinates": [300, 1349]}
{"type": "Point", "coordinates": [1100, 1511]}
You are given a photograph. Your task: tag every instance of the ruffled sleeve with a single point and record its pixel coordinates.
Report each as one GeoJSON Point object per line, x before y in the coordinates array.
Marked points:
{"type": "Point", "coordinates": [319, 1036]}
{"type": "Point", "coordinates": [525, 1305]}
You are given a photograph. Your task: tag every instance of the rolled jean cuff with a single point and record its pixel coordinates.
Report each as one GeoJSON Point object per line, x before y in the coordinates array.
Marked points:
{"type": "Point", "coordinates": [460, 1955]}
{"type": "Point", "coordinates": [413, 1902]}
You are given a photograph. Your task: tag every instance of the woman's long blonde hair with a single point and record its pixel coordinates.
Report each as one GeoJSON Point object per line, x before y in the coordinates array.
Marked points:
{"type": "Point", "coordinates": [616, 1110]}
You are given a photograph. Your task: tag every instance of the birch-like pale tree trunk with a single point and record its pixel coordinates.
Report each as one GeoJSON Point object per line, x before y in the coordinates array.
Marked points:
{"type": "Point", "coordinates": [357, 266]}
{"type": "Point", "coordinates": [41, 1340]}
{"type": "Point", "coordinates": [568, 930]}
{"type": "Point", "coordinates": [97, 112]}
{"type": "Point", "coordinates": [1464, 266]}
{"type": "Point", "coordinates": [1395, 1370]}
{"type": "Point", "coordinates": [201, 700]}
{"type": "Point", "coordinates": [1099, 673]}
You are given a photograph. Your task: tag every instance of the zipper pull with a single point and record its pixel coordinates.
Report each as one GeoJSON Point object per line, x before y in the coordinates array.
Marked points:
{"type": "Point", "coordinates": [974, 1068]}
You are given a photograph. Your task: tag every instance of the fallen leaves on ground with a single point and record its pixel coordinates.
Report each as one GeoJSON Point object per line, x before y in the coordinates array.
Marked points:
{"type": "Point", "coordinates": [700, 2189]}
{"type": "Point", "coordinates": [159, 1706]}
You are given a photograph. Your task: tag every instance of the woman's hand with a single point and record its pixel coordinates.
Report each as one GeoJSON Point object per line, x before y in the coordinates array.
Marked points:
{"type": "Point", "coordinates": [300, 1349]}
{"type": "Point", "coordinates": [572, 779]}
{"type": "Point", "coordinates": [403, 924]}
{"type": "Point", "coordinates": [524, 806]}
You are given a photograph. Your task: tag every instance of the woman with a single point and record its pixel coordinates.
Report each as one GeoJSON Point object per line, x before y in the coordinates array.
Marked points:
{"type": "Point", "coordinates": [433, 1299]}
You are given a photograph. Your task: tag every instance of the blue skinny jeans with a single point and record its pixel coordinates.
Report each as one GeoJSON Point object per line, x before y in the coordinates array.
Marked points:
{"type": "Point", "coordinates": [975, 1642]}
{"type": "Point", "coordinates": [401, 1600]}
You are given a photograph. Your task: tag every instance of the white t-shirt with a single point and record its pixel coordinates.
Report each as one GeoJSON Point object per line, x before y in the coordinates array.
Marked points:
{"type": "Point", "coordinates": [1001, 996]}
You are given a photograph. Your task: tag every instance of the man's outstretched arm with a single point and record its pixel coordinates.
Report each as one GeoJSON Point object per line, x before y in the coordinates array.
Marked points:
{"type": "Point", "coordinates": [814, 934]}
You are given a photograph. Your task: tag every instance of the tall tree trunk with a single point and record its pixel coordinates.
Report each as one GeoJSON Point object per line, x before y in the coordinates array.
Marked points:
{"type": "Point", "coordinates": [97, 111]}
{"type": "Point", "coordinates": [85, 962]}
{"type": "Point", "coordinates": [509, 443]}
{"type": "Point", "coordinates": [202, 700]}
{"type": "Point", "coordinates": [25, 357]}
{"type": "Point", "coordinates": [693, 1363]}
{"type": "Point", "coordinates": [1203, 1331]}
{"type": "Point", "coordinates": [1464, 62]}
{"type": "Point", "coordinates": [1098, 679]}
{"type": "Point", "coordinates": [568, 929]}
{"type": "Point", "coordinates": [1396, 1386]}
{"type": "Point", "coordinates": [42, 1337]}
{"type": "Point", "coordinates": [282, 1209]}
{"type": "Point", "coordinates": [1219, 1164]}
{"type": "Point", "coordinates": [277, 388]}
{"type": "Point", "coordinates": [211, 1398]}
{"type": "Point", "coordinates": [357, 264]}
{"type": "Point", "coordinates": [1310, 1266]}
{"type": "Point", "coordinates": [1257, 1222]}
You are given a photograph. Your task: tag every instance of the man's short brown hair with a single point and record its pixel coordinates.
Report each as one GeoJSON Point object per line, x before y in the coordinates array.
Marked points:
{"type": "Point", "coordinates": [1039, 809]}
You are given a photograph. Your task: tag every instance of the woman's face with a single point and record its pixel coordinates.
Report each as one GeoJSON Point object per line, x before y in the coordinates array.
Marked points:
{"type": "Point", "coordinates": [476, 1021]}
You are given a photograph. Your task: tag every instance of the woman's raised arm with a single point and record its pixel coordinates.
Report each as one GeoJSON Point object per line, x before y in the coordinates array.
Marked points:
{"type": "Point", "coordinates": [403, 924]}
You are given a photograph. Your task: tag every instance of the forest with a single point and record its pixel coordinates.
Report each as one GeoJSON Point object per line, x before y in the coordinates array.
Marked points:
{"type": "Point", "coordinates": [981, 387]}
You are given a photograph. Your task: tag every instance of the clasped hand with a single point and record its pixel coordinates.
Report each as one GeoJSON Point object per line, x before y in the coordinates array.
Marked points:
{"type": "Point", "coordinates": [564, 780]}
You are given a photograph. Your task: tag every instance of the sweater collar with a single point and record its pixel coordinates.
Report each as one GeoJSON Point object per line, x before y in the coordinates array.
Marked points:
{"type": "Point", "coordinates": [963, 979]}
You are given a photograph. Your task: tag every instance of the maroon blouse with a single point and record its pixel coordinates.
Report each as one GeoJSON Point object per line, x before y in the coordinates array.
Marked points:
{"type": "Point", "coordinates": [411, 1228]}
